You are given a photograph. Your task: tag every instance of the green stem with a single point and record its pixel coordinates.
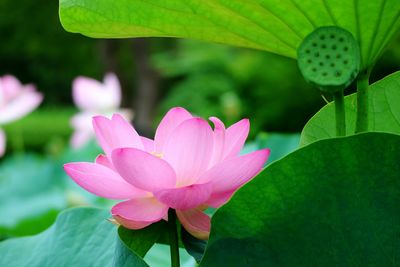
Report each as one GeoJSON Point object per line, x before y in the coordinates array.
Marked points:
{"type": "Point", "coordinates": [18, 140]}
{"type": "Point", "coordinates": [173, 238]}
{"type": "Point", "coordinates": [362, 102]}
{"type": "Point", "coordinates": [340, 113]}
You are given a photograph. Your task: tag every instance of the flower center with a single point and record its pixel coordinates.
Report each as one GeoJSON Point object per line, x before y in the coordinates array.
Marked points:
{"type": "Point", "coordinates": [158, 155]}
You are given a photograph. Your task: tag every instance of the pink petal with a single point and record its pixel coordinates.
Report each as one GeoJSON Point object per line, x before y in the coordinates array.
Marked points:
{"type": "Point", "coordinates": [235, 137]}
{"type": "Point", "coordinates": [139, 213]}
{"type": "Point", "coordinates": [115, 133]}
{"type": "Point", "coordinates": [26, 101]}
{"type": "Point", "coordinates": [91, 95]}
{"type": "Point", "coordinates": [80, 138]}
{"type": "Point", "coordinates": [126, 113]}
{"type": "Point", "coordinates": [83, 121]}
{"type": "Point", "coordinates": [171, 120]}
{"type": "Point", "coordinates": [103, 160]}
{"type": "Point", "coordinates": [219, 139]}
{"type": "Point", "coordinates": [195, 222]}
{"type": "Point", "coordinates": [148, 144]}
{"type": "Point", "coordinates": [82, 124]}
{"type": "Point", "coordinates": [143, 170]}
{"type": "Point", "coordinates": [231, 174]}
{"type": "Point", "coordinates": [184, 198]}
{"type": "Point", "coordinates": [189, 149]}
{"type": "Point", "coordinates": [101, 181]}
{"type": "Point", "coordinates": [113, 86]}
{"type": "Point", "coordinates": [2, 143]}
{"type": "Point", "coordinates": [9, 87]}
{"type": "Point", "coordinates": [88, 94]}
{"type": "Point", "coordinates": [218, 199]}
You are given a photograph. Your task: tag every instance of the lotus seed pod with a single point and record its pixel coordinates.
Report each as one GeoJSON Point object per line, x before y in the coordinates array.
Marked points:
{"type": "Point", "coordinates": [329, 58]}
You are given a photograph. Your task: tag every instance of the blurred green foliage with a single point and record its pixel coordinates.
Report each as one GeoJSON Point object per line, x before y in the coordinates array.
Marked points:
{"type": "Point", "coordinates": [34, 189]}
{"type": "Point", "coordinates": [232, 83]}
{"type": "Point", "coordinates": [39, 51]}
{"type": "Point", "coordinates": [208, 79]}
{"type": "Point", "coordinates": [45, 130]}
{"type": "Point", "coordinates": [31, 195]}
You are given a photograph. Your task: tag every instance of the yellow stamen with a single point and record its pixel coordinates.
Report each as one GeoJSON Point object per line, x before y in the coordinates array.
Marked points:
{"type": "Point", "coordinates": [158, 155]}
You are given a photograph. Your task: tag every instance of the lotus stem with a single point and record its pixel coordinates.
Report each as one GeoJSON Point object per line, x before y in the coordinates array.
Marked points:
{"type": "Point", "coordinates": [362, 102]}
{"type": "Point", "coordinates": [340, 113]}
{"type": "Point", "coordinates": [173, 238]}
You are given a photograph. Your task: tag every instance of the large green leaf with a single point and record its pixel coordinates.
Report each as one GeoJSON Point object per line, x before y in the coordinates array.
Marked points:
{"type": "Point", "coordinates": [34, 189]}
{"type": "Point", "coordinates": [195, 247]}
{"type": "Point", "coordinates": [30, 195]}
{"type": "Point", "coordinates": [384, 108]}
{"type": "Point", "coordinates": [332, 203]}
{"type": "Point", "coordinates": [136, 243]}
{"type": "Point", "coordinates": [272, 25]}
{"type": "Point", "coordinates": [159, 256]}
{"type": "Point", "coordinates": [79, 237]}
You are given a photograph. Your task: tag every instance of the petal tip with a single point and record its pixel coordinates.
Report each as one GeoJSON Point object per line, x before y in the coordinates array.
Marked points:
{"type": "Point", "coordinates": [178, 109]}
{"type": "Point", "coordinates": [245, 122]}
{"type": "Point", "coordinates": [263, 154]}
{"type": "Point", "coordinates": [69, 166]}
{"type": "Point", "coordinates": [266, 151]}
{"type": "Point", "coordinates": [66, 167]}
{"type": "Point", "coordinates": [200, 121]}
{"type": "Point", "coordinates": [117, 116]}
{"type": "Point", "coordinates": [97, 118]}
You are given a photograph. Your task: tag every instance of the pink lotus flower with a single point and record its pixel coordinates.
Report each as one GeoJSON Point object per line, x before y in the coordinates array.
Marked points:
{"type": "Point", "coordinates": [16, 101]}
{"type": "Point", "coordinates": [188, 167]}
{"type": "Point", "coordinates": [94, 98]}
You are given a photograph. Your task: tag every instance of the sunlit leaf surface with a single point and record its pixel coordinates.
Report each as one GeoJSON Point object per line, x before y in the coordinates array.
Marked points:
{"type": "Point", "coordinates": [271, 25]}
{"type": "Point", "coordinates": [384, 109]}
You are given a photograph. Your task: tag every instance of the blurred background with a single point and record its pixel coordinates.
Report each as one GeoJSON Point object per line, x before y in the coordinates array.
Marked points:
{"type": "Point", "coordinates": [155, 74]}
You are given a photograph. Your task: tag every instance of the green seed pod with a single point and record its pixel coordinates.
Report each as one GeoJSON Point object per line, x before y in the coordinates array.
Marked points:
{"type": "Point", "coordinates": [329, 58]}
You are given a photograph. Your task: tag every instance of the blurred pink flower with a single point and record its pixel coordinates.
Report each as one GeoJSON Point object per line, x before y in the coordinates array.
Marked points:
{"type": "Point", "coordinates": [94, 98]}
{"type": "Point", "coordinates": [16, 101]}
{"type": "Point", "coordinates": [188, 167]}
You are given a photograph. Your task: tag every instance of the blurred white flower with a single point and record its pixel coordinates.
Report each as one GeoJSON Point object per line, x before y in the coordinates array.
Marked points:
{"type": "Point", "coordinates": [94, 98]}
{"type": "Point", "coordinates": [16, 101]}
